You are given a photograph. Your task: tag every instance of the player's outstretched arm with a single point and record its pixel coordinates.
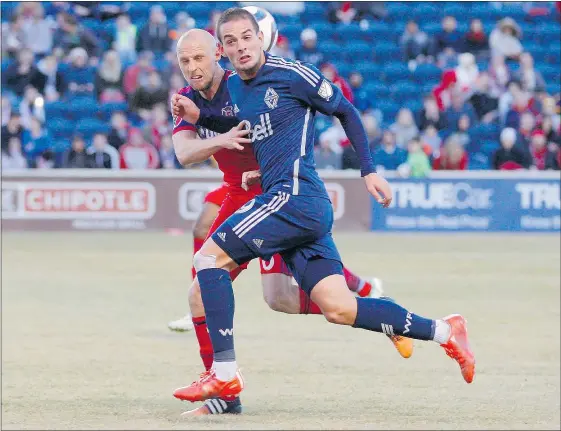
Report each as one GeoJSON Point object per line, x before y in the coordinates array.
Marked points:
{"type": "Point", "coordinates": [189, 149]}
{"type": "Point", "coordinates": [350, 120]}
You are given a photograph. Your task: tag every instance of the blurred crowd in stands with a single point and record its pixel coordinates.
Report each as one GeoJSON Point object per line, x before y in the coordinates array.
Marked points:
{"type": "Point", "coordinates": [441, 86]}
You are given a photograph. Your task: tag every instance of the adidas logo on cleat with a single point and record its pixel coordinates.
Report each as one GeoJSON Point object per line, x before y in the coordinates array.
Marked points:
{"type": "Point", "coordinates": [258, 242]}
{"type": "Point", "coordinates": [222, 236]}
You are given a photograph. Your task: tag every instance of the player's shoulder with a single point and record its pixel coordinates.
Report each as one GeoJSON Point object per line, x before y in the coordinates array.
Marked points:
{"type": "Point", "coordinates": [296, 68]}
{"type": "Point", "coordinates": [187, 91]}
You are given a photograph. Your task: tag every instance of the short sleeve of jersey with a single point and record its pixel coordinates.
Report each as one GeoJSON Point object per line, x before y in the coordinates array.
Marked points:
{"type": "Point", "coordinates": [179, 123]}
{"type": "Point", "coordinates": [310, 86]}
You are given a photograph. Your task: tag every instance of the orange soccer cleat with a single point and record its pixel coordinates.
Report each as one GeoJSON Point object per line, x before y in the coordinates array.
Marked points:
{"type": "Point", "coordinates": [403, 345]}
{"type": "Point", "coordinates": [457, 346]}
{"type": "Point", "coordinates": [208, 386]}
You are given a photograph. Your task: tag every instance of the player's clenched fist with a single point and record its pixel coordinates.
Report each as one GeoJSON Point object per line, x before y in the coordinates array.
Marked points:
{"type": "Point", "coordinates": [250, 178]}
{"type": "Point", "coordinates": [237, 136]}
{"type": "Point", "coordinates": [185, 108]}
{"type": "Point", "coordinates": [379, 188]}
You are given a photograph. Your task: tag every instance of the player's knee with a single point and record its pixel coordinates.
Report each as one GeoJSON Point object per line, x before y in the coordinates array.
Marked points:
{"type": "Point", "coordinates": [279, 294]}
{"type": "Point", "coordinates": [202, 261]}
{"type": "Point", "coordinates": [337, 316]}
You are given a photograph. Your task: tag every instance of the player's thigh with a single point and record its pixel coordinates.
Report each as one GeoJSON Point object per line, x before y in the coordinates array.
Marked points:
{"type": "Point", "coordinates": [313, 261]}
{"type": "Point", "coordinates": [281, 293]}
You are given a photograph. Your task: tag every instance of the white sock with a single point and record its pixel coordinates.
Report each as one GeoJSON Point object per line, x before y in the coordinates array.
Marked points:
{"type": "Point", "coordinates": [225, 371]}
{"type": "Point", "coordinates": [441, 332]}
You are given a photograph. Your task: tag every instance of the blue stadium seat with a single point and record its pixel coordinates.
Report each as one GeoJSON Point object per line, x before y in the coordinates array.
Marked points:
{"type": "Point", "coordinates": [330, 50]}
{"type": "Point", "coordinates": [427, 72]}
{"type": "Point", "coordinates": [55, 110]}
{"type": "Point", "coordinates": [387, 51]}
{"type": "Point", "coordinates": [554, 53]}
{"type": "Point", "coordinates": [404, 91]}
{"type": "Point", "coordinates": [380, 31]}
{"type": "Point", "coordinates": [61, 145]}
{"type": "Point", "coordinates": [397, 10]}
{"type": "Point", "coordinates": [292, 32]}
{"type": "Point", "coordinates": [369, 70]}
{"type": "Point", "coordinates": [484, 132]}
{"type": "Point", "coordinates": [457, 10]}
{"type": "Point", "coordinates": [82, 107]}
{"type": "Point", "coordinates": [60, 128]}
{"type": "Point", "coordinates": [347, 33]}
{"type": "Point", "coordinates": [431, 28]}
{"type": "Point", "coordinates": [414, 105]}
{"type": "Point", "coordinates": [90, 126]}
{"type": "Point", "coordinates": [357, 49]}
{"type": "Point", "coordinates": [107, 109]}
{"type": "Point", "coordinates": [388, 108]}
{"type": "Point", "coordinates": [551, 74]}
{"type": "Point", "coordinates": [479, 161]}
{"type": "Point", "coordinates": [396, 71]}
{"type": "Point", "coordinates": [425, 12]}
{"type": "Point", "coordinates": [323, 28]}
{"type": "Point", "coordinates": [376, 90]}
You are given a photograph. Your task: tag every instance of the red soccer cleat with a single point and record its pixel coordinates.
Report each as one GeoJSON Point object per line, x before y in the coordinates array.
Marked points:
{"type": "Point", "coordinates": [208, 386]}
{"type": "Point", "coordinates": [457, 346]}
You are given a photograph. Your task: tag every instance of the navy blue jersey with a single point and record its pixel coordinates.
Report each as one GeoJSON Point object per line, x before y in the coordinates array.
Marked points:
{"type": "Point", "coordinates": [280, 105]}
{"type": "Point", "coordinates": [232, 163]}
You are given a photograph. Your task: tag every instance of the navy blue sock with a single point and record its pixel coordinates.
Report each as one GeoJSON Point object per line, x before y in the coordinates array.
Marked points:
{"type": "Point", "coordinates": [218, 299]}
{"type": "Point", "coordinates": [386, 316]}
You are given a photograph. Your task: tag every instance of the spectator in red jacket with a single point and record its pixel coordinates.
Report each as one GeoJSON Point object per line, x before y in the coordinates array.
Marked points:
{"type": "Point", "coordinates": [442, 92]}
{"type": "Point", "coordinates": [542, 158]}
{"type": "Point", "coordinates": [452, 156]}
{"type": "Point", "coordinates": [138, 154]}
{"type": "Point", "coordinates": [330, 73]}
{"type": "Point", "coordinates": [138, 73]}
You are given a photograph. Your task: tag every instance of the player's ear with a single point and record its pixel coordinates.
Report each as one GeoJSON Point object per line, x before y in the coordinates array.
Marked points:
{"type": "Point", "coordinates": [260, 36]}
{"type": "Point", "coordinates": [219, 51]}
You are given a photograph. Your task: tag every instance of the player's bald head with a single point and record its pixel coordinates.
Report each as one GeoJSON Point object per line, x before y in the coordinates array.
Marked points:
{"type": "Point", "coordinates": [198, 54]}
{"type": "Point", "coordinates": [197, 38]}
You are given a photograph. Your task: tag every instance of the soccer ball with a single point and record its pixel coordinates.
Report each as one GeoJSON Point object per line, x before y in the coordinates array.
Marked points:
{"type": "Point", "coordinates": [267, 25]}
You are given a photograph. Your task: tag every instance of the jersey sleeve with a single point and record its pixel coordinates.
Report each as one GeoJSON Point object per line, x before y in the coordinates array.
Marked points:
{"type": "Point", "coordinates": [179, 123]}
{"type": "Point", "coordinates": [311, 87]}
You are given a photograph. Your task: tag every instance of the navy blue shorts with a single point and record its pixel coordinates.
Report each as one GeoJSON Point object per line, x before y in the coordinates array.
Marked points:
{"type": "Point", "coordinates": [297, 227]}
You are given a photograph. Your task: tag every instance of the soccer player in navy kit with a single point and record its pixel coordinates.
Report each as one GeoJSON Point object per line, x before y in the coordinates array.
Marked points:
{"type": "Point", "coordinates": [278, 99]}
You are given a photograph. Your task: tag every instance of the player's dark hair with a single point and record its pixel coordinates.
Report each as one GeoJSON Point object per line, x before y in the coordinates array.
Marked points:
{"type": "Point", "coordinates": [233, 14]}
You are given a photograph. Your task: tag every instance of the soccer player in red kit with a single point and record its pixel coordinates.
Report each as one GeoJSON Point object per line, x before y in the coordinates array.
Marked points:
{"type": "Point", "coordinates": [198, 56]}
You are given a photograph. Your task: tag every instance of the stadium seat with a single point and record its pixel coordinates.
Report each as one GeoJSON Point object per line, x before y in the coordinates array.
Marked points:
{"type": "Point", "coordinates": [347, 32]}
{"type": "Point", "coordinates": [60, 128]}
{"type": "Point", "coordinates": [425, 12]}
{"type": "Point", "coordinates": [292, 32]}
{"type": "Point", "coordinates": [380, 31]}
{"type": "Point", "coordinates": [387, 51]}
{"type": "Point", "coordinates": [107, 109]}
{"type": "Point", "coordinates": [357, 49]}
{"type": "Point", "coordinates": [82, 107]}
{"type": "Point", "coordinates": [376, 90]}
{"type": "Point", "coordinates": [61, 145]}
{"type": "Point", "coordinates": [396, 71]}
{"type": "Point", "coordinates": [479, 161]}
{"type": "Point", "coordinates": [427, 72]}
{"type": "Point", "coordinates": [404, 91]}
{"type": "Point", "coordinates": [55, 109]}
{"type": "Point", "coordinates": [388, 108]}
{"type": "Point", "coordinates": [369, 70]}
{"type": "Point", "coordinates": [397, 10]}
{"type": "Point", "coordinates": [323, 28]}
{"type": "Point", "coordinates": [90, 126]}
